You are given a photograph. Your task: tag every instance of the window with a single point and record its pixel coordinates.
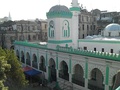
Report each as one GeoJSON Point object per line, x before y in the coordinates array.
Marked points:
{"type": "Point", "coordinates": [87, 18]}
{"type": "Point", "coordinates": [91, 27]}
{"type": "Point", "coordinates": [34, 37]}
{"type": "Point", "coordinates": [94, 49]}
{"type": "Point", "coordinates": [85, 48]}
{"type": "Point", "coordinates": [29, 38]}
{"type": "Point", "coordinates": [109, 34]}
{"type": "Point", "coordinates": [83, 26]}
{"type": "Point", "coordinates": [45, 26]}
{"type": "Point", "coordinates": [111, 51]}
{"type": "Point", "coordinates": [102, 49]}
{"type": "Point", "coordinates": [119, 33]}
{"type": "Point", "coordinates": [82, 18]}
{"type": "Point", "coordinates": [83, 36]}
{"type": "Point", "coordinates": [87, 27]}
{"type": "Point", "coordinates": [94, 27]}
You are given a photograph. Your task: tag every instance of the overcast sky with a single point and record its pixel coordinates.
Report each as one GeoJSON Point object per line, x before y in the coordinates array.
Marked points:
{"type": "Point", "coordinates": [31, 9]}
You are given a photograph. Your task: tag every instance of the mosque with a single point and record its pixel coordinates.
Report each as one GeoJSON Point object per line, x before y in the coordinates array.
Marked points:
{"type": "Point", "coordinates": [71, 63]}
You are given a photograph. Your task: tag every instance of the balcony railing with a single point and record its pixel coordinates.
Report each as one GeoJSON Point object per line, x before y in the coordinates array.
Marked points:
{"type": "Point", "coordinates": [63, 75]}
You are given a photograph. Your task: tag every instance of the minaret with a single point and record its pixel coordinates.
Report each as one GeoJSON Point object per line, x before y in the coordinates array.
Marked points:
{"type": "Point", "coordinates": [9, 17]}
{"type": "Point", "coordinates": [75, 9]}
{"type": "Point", "coordinates": [75, 3]}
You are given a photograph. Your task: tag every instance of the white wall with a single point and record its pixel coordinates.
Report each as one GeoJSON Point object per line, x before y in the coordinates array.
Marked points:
{"type": "Point", "coordinates": [98, 45]}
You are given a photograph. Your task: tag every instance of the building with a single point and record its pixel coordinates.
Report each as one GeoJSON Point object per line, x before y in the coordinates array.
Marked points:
{"type": "Point", "coordinates": [87, 24]}
{"type": "Point", "coordinates": [19, 30]}
{"type": "Point", "coordinates": [104, 18]}
{"type": "Point", "coordinates": [71, 63]}
{"type": "Point", "coordinates": [44, 30]}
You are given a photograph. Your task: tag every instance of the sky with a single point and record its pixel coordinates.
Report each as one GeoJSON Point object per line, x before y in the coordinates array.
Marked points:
{"type": "Point", "coordinates": [32, 9]}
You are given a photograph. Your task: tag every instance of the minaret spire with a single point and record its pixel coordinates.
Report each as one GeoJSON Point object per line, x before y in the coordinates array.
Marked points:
{"type": "Point", "coordinates": [9, 17]}
{"type": "Point", "coordinates": [75, 3]}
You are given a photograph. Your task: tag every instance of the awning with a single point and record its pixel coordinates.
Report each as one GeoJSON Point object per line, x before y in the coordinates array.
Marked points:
{"type": "Point", "coordinates": [30, 71]}
{"type": "Point", "coordinates": [26, 68]}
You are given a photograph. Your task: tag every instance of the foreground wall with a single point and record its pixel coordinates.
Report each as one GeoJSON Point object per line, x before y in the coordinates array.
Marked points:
{"type": "Point", "coordinates": [72, 71]}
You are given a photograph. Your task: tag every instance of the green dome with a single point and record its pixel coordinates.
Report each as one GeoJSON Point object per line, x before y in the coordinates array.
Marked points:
{"type": "Point", "coordinates": [59, 11]}
{"type": "Point", "coordinates": [59, 8]}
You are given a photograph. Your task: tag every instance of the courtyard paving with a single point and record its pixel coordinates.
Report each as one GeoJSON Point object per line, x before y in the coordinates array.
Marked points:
{"type": "Point", "coordinates": [36, 88]}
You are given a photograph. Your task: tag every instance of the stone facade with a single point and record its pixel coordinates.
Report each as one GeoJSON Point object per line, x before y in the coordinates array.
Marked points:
{"type": "Point", "coordinates": [19, 30]}
{"type": "Point", "coordinates": [87, 24]}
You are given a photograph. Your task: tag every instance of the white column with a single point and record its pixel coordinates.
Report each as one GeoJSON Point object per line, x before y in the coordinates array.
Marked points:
{"type": "Point", "coordinates": [47, 73]}
{"type": "Point", "coordinates": [86, 83]}
{"type": "Point", "coordinates": [106, 87]}
{"type": "Point", "coordinates": [57, 74]}
{"type": "Point", "coordinates": [70, 77]}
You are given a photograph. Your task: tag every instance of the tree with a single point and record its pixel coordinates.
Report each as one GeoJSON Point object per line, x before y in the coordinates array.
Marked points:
{"type": "Point", "coordinates": [15, 76]}
{"type": "Point", "coordinates": [4, 67]}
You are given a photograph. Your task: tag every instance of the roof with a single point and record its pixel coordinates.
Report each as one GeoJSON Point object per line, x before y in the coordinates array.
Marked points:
{"type": "Point", "coordinates": [112, 27]}
{"type": "Point", "coordinates": [59, 11]}
{"type": "Point", "coordinates": [59, 8]}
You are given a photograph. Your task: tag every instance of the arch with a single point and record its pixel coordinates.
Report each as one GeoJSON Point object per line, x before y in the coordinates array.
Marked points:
{"type": "Point", "coordinates": [96, 80]}
{"type": "Point", "coordinates": [63, 72]}
{"type": "Point", "coordinates": [12, 47]}
{"type": "Point", "coordinates": [17, 54]}
{"type": "Point", "coordinates": [22, 57]}
{"type": "Point", "coordinates": [65, 28]}
{"type": "Point", "coordinates": [116, 81]}
{"type": "Point", "coordinates": [42, 64]}
{"type": "Point", "coordinates": [112, 74]}
{"type": "Point", "coordinates": [52, 70]}
{"type": "Point", "coordinates": [78, 74]}
{"type": "Point", "coordinates": [34, 62]}
{"type": "Point", "coordinates": [102, 69]}
{"type": "Point", "coordinates": [113, 80]}
{"type": "Point", "coordinates": [28, 61]}
{"type": "Point", "coordinates": [52, 62]}
{"type": "Point", "coordinates": [51, 29]}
